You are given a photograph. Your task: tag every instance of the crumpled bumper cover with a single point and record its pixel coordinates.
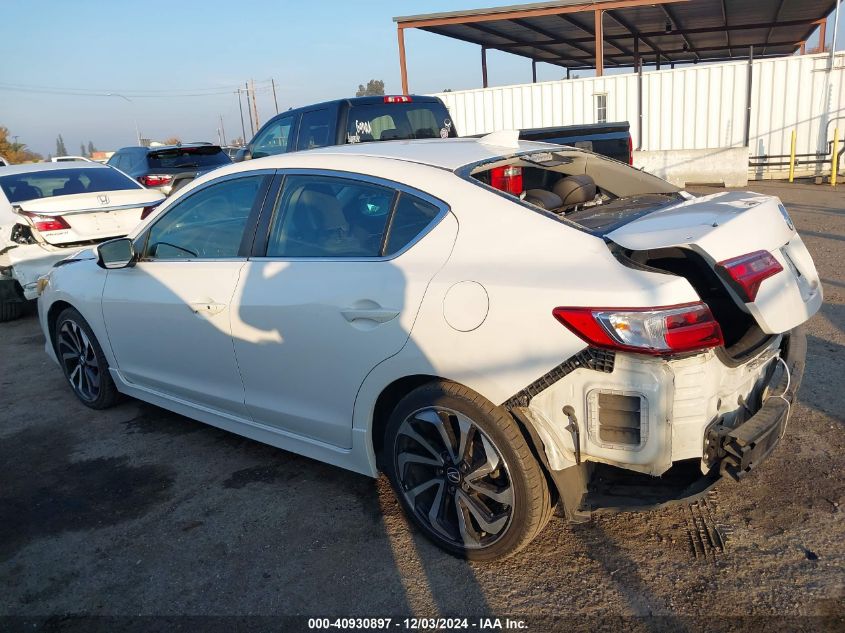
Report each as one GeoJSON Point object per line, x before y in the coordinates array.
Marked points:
{"type": "Point", "coordinates": [737, 451]}
{"type": "Point", "coordinates": [729, 452]}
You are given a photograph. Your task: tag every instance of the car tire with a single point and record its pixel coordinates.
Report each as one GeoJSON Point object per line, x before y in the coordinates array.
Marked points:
{"type": "Point", "coordinates": [463, 472]}
{"type": "Point", "coordinates": [83, 362]}
{"type": "Point", "coordinates": [10, 310]}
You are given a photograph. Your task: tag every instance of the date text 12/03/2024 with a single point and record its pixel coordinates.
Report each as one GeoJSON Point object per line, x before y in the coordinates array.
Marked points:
{"type": "Point", "coordinates": [415, 624]}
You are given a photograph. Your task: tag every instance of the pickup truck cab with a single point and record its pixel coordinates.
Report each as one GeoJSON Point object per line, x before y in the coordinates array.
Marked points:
{"type": "Point", "coordinates": [354, 120]}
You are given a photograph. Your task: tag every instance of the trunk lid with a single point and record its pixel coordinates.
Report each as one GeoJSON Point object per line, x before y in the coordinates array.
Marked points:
{"type": "Point", "coordinates": [92, 216]}
{"type": "Point", "coordinates": [727, 225]}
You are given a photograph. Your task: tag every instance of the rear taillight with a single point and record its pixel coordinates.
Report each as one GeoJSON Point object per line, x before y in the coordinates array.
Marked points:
{"type": "Point", "coordinates": [655, 331]}
{"type": "Point", "coordinates": [155, 180]}
{"type": "Point", "coordinates": [398, 99]}
{"type": "Point", "coordinates": [146, 212]}
{"type": "Point", "coordinates": [45, 223]}
{"type": "Point", "coordinates": [749, 271]}
{"type": "Point", "coordinates": [508, 179]}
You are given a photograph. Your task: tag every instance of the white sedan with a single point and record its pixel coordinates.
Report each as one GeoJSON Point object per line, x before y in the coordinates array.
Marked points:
{"type": "Point", "coordinates": [50, 210]}
{"type": "Point", "coordinates": [500, 327]}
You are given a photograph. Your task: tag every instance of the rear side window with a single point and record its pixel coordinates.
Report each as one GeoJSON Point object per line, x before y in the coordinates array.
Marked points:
{"type": "Point", "coordinates": [63, 182]}
{"type": "Point", "coordinates": [315, 129]}
{"type": "Point", "coordinates": [187, 157]}
{"type": "Point", "coordinates": [322, 216]}
{"type": "Point", "coordinates": [393, 121]}
{"type": "Point", "coordinates": [410, 218]}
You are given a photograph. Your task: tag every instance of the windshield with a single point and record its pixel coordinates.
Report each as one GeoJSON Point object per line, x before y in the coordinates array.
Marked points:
{"type": "Point", "coordinates": [394, 121]}
{"type": "Point", "coordinates": [193, 157]}
{"type": "Point", "coordinates": [63, 182]}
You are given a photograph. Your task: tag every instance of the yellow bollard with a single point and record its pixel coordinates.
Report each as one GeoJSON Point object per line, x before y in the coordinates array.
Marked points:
{"type": "Point", "coordinates": [792, 158]}
{"type": "Point", "coordinates": [834, 164]}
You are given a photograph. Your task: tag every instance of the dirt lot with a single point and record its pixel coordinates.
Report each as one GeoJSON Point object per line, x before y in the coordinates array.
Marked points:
{"type": "Point", "coordinates": [137, 511]}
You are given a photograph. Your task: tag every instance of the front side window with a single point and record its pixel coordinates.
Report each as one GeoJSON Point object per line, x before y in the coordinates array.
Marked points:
{"type": "Point", "coordinates": [315, 129]}
{"type": "Point", "coordinates": [321, 216]}
{"type": "Point", "coordinates": [208, 224]}
{"type": "Point", "coordinates": [275, 139]}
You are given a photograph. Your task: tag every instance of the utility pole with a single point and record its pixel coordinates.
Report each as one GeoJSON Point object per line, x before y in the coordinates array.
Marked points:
{"type": "Point", "coordinates": [275, 103]}
{"type": "Point", "coordinates": [248, 109]}
{"type": "Point", "coordinates": [222, 129]}
{"type": "Point", "coordinates": [241, 108]}
{"type": "Point", "coordinates": [254, 104]}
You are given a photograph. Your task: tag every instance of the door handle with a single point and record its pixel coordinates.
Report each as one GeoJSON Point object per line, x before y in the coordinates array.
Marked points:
{"type": "Point", "coordinates": [379, 315]}
{"type": "Point", "coordinates": [207, 308]}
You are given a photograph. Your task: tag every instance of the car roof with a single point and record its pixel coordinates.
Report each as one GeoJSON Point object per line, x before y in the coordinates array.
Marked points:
{"type": "Point", "coordinates": [451, 153]}
{"type": "Point", "coordinates": [36, 167]}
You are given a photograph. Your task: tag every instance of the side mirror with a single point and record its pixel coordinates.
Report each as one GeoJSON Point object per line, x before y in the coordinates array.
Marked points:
{"type": "Point", "coordinates": [119, 253]}
{"type": "Point", "coordinates": [242, 155]}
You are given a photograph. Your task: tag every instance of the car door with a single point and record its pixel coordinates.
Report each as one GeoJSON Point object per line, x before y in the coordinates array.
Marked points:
{"type": "Point", "coordinates": [334, 291]}
{"type": "Point", "coordinates": [167, 316]}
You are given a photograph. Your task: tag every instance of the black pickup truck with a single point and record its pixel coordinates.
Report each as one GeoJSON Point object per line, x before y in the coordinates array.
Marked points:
{"type": "Point", "coordinates": [355, 120]}
{"type": "Point", "coordinates": [608, 139]}
{"type": "Point", "coordinates": [400, 117]}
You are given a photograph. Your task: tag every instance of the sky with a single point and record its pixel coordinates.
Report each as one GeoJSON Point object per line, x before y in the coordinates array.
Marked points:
{"type": "Point", "coordinates": [181, 62]}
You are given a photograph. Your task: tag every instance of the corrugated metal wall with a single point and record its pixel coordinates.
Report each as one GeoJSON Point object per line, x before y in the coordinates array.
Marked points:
{"type": "Point", "coordinates": [694, 107]}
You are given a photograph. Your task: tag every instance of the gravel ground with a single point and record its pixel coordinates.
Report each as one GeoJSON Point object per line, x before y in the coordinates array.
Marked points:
{"type": "Point", "coordinates": [137, 511]}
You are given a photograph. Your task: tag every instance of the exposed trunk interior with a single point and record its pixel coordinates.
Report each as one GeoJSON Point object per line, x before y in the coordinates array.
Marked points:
{"type": "Point", "coordinates": [742, 334]}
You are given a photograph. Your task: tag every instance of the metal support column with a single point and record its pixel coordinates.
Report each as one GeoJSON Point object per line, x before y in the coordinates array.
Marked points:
{"type": "Point", "coordinates": [599, 42]}
{"type": "Point", "coordinates": [748, 87]}
{"type": "Point", "coordinates": [639, 106]}
{"type": "Point", "coordinates": [400, 33]}
{"type": "Point", "coordinates": [484, 66]}
{"type": "Point", "coordinates": [533, 71]}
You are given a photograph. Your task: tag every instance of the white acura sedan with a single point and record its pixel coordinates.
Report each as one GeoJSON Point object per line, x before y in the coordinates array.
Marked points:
{"type": "Point", "coordinates": [501, 327]}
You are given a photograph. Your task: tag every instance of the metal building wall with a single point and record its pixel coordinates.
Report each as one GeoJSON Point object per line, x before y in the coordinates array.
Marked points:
{"type": "Point", "coordinates": [694, 107]}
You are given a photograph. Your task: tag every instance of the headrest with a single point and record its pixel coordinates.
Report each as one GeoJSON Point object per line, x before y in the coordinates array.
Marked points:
{"type": "Point", "coordinates": [543, 199]}
{"type": "Point", "coordinates": [575, 189]}
{"type": "Point", "coordinates": [324, 210]}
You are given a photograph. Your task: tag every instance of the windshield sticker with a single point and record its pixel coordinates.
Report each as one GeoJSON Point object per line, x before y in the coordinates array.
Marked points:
{"type": "Point", "coordinates": [444, 133]}
{"type": "Point", "coordinates": [363, 127]}
{"type": "Point", "coordinates": [446, 129]}
{"type": "Point", "coordinates": [541, 157]}
{"type": "Point", "coordinates": [352, 138]}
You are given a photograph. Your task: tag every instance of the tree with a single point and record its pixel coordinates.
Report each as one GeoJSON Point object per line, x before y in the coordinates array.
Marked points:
{"type": "Point", "coordinates": [61, 150]}
{"type": "Point", "coordinates": [91, 149]}
{"type": "Point", "coordinates": [173, 140]}
{"type": "Point", "coordinates": [374, 88]}
{"type": "Point", "coordinates": [15, 152]}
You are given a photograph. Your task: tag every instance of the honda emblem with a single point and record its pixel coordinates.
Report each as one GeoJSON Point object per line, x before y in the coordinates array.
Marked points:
{"type": "Point", "coordinates": [104, 199]}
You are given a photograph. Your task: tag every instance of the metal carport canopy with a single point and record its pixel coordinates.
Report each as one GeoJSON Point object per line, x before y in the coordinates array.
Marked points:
{"type": "Point", "coordinates": [576, 34]}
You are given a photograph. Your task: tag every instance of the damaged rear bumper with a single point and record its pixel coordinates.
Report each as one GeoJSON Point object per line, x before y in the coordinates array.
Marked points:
{"type": "Point", "coordinates": [729, 451]}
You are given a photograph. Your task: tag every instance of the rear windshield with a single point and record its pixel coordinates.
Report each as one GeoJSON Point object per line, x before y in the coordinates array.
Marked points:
{"type": "Point", "coordinates": [594, 192]}
{"type": "Point", "coordinates": [189, 157]}
{"type": "Point", "coordinates": [393, 121]}
{"type": "Point", "coordinates": [63, 182]}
